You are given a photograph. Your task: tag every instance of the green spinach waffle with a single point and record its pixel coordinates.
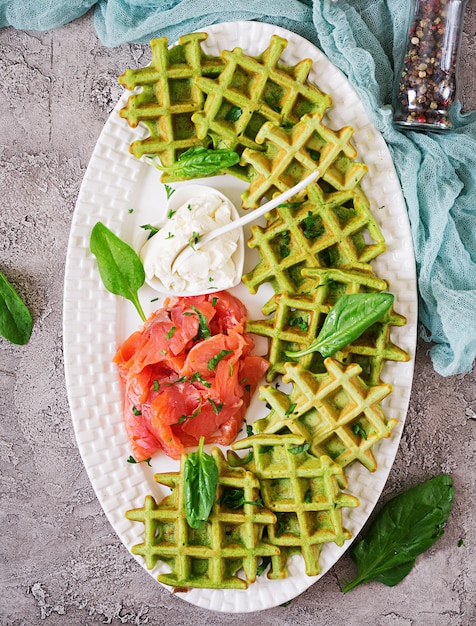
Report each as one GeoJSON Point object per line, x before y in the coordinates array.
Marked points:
{"type": "Point", "coordinates": [253, 90]}
{"type": "Point", "coordinates": [336, 412]}
{"type": "Point", "coordinates": [292, 153]}
{"type": "Point", "coordinates": [165, 97]}
{"type": "Point", "coordinates": [210, 556]}
{"type": "Point", "coordinates": [303, 491]}
{"type": "Point", "coordinates": [329, 229]}
{"type": "Point", "coordinates": [297, 319]}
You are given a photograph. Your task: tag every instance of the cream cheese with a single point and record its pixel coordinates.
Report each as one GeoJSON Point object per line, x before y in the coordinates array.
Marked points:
{"type": "Point", "coordinates": [211, 267]}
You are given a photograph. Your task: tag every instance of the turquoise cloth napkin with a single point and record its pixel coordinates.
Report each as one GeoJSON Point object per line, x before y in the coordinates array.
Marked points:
{"type": "Point", "coordinates": [363, 38]}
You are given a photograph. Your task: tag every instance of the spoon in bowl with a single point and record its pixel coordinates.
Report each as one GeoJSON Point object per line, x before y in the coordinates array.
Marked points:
{"type": "Point", "coordinates": [187, 251]}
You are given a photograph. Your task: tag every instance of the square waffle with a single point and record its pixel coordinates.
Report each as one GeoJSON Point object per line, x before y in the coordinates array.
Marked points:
{"type": "Point", "coordinates": [337, 412]}
{"type": "Point", "coordinates": [303, 491]}
{"type": "Point", "coordinates": [210, 556]}
{"type": "Point", "coordinates": [292, 153]}
{"type": "Point", "coordinates": [297, 319]}
{"type": "Point", "coordinates": [252, 90]}
{"type": "Point", "coordinates": [329, 229]}
{"type": "Point", "coordinates": [168, 97]}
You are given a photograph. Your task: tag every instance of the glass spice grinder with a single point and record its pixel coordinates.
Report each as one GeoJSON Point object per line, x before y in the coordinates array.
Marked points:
{"type": "Point", "coordinates": [426, 86]}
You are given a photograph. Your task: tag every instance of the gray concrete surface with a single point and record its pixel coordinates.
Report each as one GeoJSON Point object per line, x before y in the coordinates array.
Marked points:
{"type": "Point", "coordinates": [60, 561]}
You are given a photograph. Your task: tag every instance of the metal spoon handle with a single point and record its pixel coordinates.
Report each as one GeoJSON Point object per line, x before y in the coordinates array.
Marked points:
{"type": "Point", "coordinates": [245, 219]}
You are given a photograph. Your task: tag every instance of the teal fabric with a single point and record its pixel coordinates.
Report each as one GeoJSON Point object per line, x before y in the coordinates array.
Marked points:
{"type": "Point", "coordinates": [364, 38]}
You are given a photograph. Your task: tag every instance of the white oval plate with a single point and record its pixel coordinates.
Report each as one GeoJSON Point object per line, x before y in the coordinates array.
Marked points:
{"type": "Point", "coordinates": [124, 193]}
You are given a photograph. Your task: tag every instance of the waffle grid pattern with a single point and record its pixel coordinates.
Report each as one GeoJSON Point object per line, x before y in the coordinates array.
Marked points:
{"type": "Point", "coordinates": [297, 319]}
{"type": "Point", "coordinates": [293, 153]}
{"type": "Point", "coordinates": [303, 492]}
{"type": "Point", "coordinates": [168, 97]}
{"type": "Point", "coordinates": [253, 90]}
{"type": "Point", "coordinates": [339, 224]}
{"type": "Point", "coordinates": [335, 411]}
{"type": "Point", "coordinates": [210, 556]}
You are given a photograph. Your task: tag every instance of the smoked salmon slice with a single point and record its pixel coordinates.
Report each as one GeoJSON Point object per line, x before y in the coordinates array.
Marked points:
{"type": "Point", "coordinates": [188, 373]}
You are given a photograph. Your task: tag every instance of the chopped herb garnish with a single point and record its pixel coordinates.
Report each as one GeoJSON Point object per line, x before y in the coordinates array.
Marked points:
{"type": "Point", "coordinates": [235, 498]}
{"type": "Point", "coordinates": [289, 205]}
{"type": "Point", "coordinates": [203, 330]}
{"type": "Point", "coordinates": [280, 524]}
{"type": "Point", "coordinates": [249, 430]}
{"type": "Point", "coordinates": [182, 379]}
{"type": "Point", "coordinates": [136, 411]}
{"type": "Point", "coordinates": [248, 388]}
{"type": "Point", "coordinates": [308, 497]}
{"type": "Point", "coordinates": [153, 230]}
{"type": "Point", "coordinates": [315, 155]}
{"type": "Point", "coordinates": [461, 543]}
{"type": "Point", "coordinates": [197, 376]}
{"type": "Point", "coordinates": [300, 322]}
{"type": "Point", "coordinates": [358, 429]}
{"type": "Point", "coordinates": [170, 214]}
{"type": "Point", "coordinates": [171, 332]}
{"type": "Point", "coordinates": [263, 566]}
{"type": "Point", "coordinates": [130, 211]}
{"type": "Point", "coordinates": [265, 449]}
{"type": "Point", "coordinates": [216, 408]}
{"type": "Point", "coordinates": [194, 239]}
{"type": "Point", "coordinates": [284, 246]}
{"type": "Point", "coordinates": [283, 251]}
{"type": "Point", "coordinates": [233, 114]}
{"type": "Point", "coordinates": [154, 299]}
{"type": "Point", "coordinates": [189, 417]}
{"type": "Point", "coordinates": [298, 449]}
{"type": "Point", "coordinates": [214, 301]}
{"type": "Point", "coordinates": [310, 231]}
{"type": "Point", "coordinates": [291, 408]}
{"type": "Point", "coordinates": [163, 352]}
{"type": "Point", "coordinates": [170, 236]}
{"type": "Point", "coordinates": [189, 206]}
{"type": "Point", "coordinates": [156, 385]}
{"type": "Point", "coordinates": [169, 191]}
{"type": "Point", "coordinates": [213, 362]}
{"type": "Point", "coordinates": [131, 459]}
{"type": "Point", "coordinates": [210, 279]}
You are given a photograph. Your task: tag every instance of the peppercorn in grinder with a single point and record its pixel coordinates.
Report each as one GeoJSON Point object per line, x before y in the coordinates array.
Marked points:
{"type": "Point", "coordinates": [426, 85]}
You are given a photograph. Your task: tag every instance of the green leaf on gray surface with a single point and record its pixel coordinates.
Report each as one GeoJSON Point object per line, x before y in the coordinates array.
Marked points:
{"type": "Point", "coordinates": [405, 527]}
{"type": "Point", "coordinates": [15, 319]}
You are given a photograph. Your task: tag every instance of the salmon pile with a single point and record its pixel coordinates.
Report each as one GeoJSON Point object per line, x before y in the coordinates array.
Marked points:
{"type": "Point", "coordinates": [189, 372]}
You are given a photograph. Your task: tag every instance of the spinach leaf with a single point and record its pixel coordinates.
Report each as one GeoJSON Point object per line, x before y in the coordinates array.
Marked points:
{"type": "Point", "coordinates": [351, 315]}
{"type": "Point", "coordinates": [405, 527]}
{"type": "Point", "coordinates": [200, 486]}
{"type": "Point", "coordinates": [15, 319]}
{"type": "Point", "coordinates": [119, 265]}
{"type": "Point", "coordinates": [199, 161]}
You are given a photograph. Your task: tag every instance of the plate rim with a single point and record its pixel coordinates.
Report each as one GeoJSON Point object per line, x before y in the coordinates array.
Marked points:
{"type": "Point", "coordinates": [112, 308]}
